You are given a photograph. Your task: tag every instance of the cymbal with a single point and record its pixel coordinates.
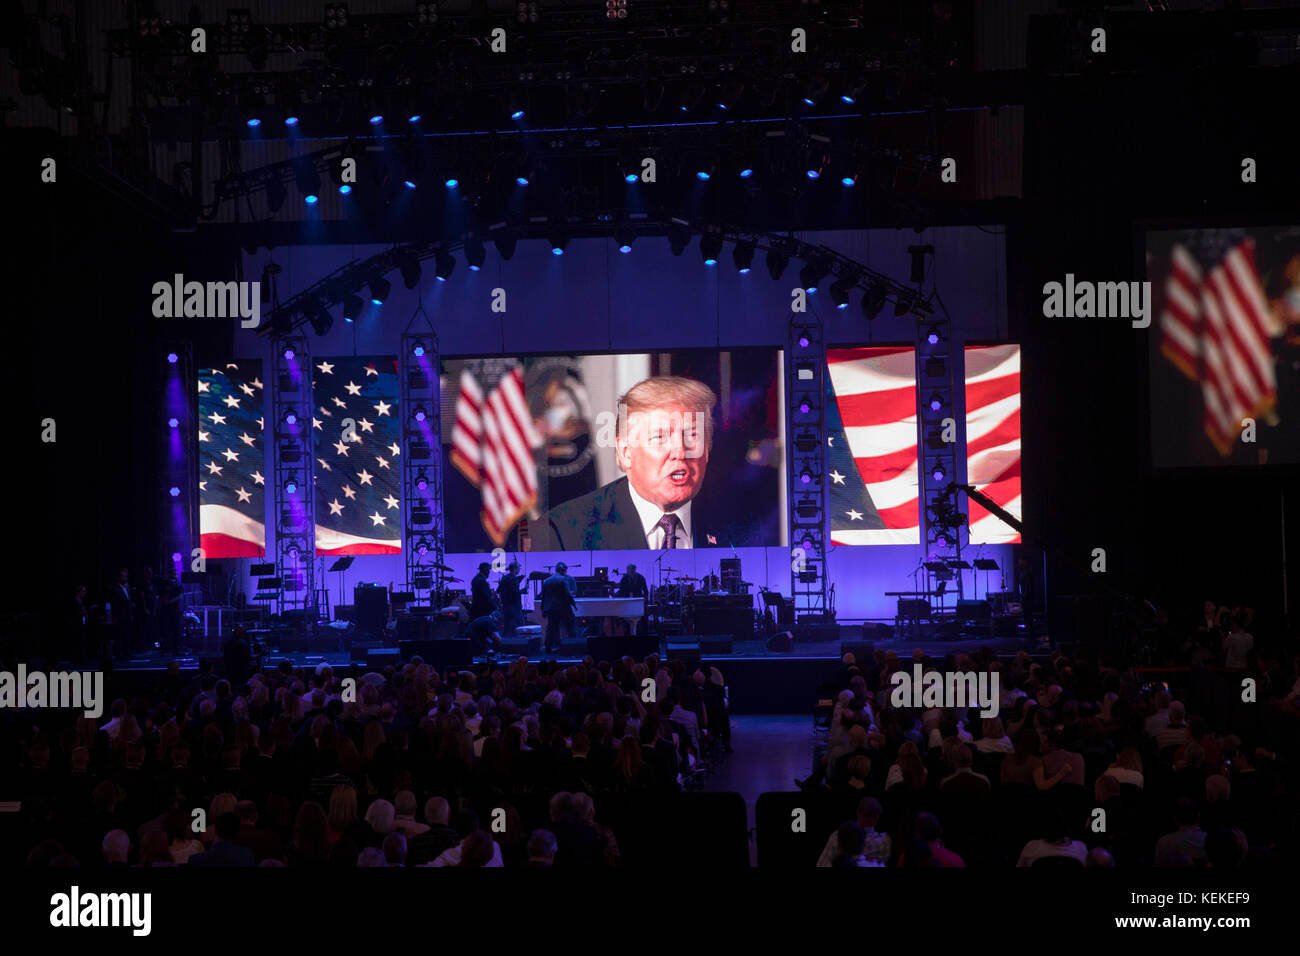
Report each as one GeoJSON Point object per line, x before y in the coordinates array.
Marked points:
{"type": "Point", "coordinates": [441, 567]}
{"type": "Point", "coordinates": [684, 578]}
{"type": "Point", "coordinates": [455, 580]}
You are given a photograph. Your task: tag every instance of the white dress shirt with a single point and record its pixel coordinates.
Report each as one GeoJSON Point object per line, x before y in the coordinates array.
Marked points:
{"type": "Point", "coordinates": [650, 515]}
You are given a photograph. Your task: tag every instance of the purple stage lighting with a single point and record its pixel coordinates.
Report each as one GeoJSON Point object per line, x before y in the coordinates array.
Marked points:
{"type": "Point", "coordinates": [173, 422]}
{"type": "Point", "coordinates": [174, 491]}
{"type": "Point", "coordinates": [288, 353]}
{"type": "Point", "coordinates": [803, 341]}
{"type": "Point", "coordinates": [804, 408]}
{"type": "Point", "coordinates": [171, 358]}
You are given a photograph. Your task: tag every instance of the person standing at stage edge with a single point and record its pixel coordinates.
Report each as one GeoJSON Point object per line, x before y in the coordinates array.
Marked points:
{"type": "Point", "coordinates": [510, 590]}
{"type": "Point", "coordinates": [559, 593]}
{"type": "Point", "coordinates": [169, 614]}
{"type": "Point", "coordinates": [480, 594]}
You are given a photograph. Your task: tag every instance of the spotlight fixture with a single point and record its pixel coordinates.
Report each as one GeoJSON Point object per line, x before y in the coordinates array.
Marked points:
{"type": "Point", "coordinates": [291, 486]}
{"type": "Point", "coordinates": [288, 353]}
{"type": "Point", "coordinates": [679, 236]}
{"type": "Point", "coordinates": [936, 402]}
{"type": "Point", "coordinates": [418, 350]}
{"type": "Point", "coordinates": [933, 336]}
{"type": "Point", "coordinates": [444, 263]}
{"type": "Point", "coordinates": [173, 423]}
{"type": "Point", "coordinates": [625, 237]}
{"type": "Point", "coordinates": [351, 307]}
{"type": "Point", "coordinates": [805, 477]}
{"type": "Point", "coordinates": [174, 491]}
{"type": "Point", "coordinates": [290, 417]}
{"type": "Point", "coordinates": [408, 264]}
{"type": "Point", "coordinates": [777, 260]}
{"type": "Point", "coordinates": [307, 179]}
{"type": "Point", "coordinates": [903, 304]}
{"type": "Point", "coordinates": [172, 358]}
{"type": "Point", "coordinates": [814, 270]}
{"type": "Point", "coordinates": [421, 482]}
{"type": "Point", "coordinates": [319, 317]}
{"type": "Point", "coordinates": [710, 247]}
{"type": "Point", "coordinates": [420, 414]}
{"type": "Point", "coordinates": [873, 301]}
{"type": "Point", "coordinates": [842, 286]}
{"type": "Point", "coordinates": [505, 240]}
{"type": "Point", "coordinates": [559, 240]}
{"type": "Point", "coordinates": [938, 472]}
{"type": "Point", "coordinates": [475, 254]}
{"type": "Point", "coordinates": [336, 16]}
{"type": "Point", "coordinates": [743, 255]}
{"type": "Point", "coordinates": [379, 289]}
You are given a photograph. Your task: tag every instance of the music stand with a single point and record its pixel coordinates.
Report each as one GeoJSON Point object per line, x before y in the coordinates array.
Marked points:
{"type": "Point", "coordinates": [341, 565]}
{"type": "Point", "coordinates": [986, 565]}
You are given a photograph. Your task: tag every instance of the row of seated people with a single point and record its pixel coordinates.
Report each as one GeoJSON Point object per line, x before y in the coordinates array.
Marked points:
{"type": "Point", "coordinates": [1072, 737]}
{"type": "Point", "coordinates": [510, 735]}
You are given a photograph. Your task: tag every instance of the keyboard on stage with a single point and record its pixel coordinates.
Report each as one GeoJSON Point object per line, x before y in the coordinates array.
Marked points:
{"type": "Point", "coordinates": [630, 609]}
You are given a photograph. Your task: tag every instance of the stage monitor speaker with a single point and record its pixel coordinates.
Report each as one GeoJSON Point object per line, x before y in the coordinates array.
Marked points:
{"type": "Point", "coordinates": [604, 648]}
{"type": "Point", "coordinates": [873, 631]}
{"type": "Point", "coordinates": [864, 652]}
{"type": "Point", "coordinates": [715, 643]}
{"type": "Point", "coordinates": [637, 647]}
{"type": "Point", "coordinates": [681, 649]}
{"type": "Point", "coordinates": [974, 611]}
{"type": "Point", "coordinates": [443, 627]}
{"type": "Point", "coordinates": [412, 627]}
{"type": "Point", "coordinates": [377, 658]}
{"type": "Point", "coordinates": [783, 641]}
{"type": "Point", "coordinates": [736, 621]}
{"type": "Point", "coordinates": [371, 608]}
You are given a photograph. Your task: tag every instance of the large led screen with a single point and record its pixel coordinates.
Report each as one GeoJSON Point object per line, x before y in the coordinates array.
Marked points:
{"type": "Point", "coordinates": [672, 449]}
{"type": "Point", "coordinates": [232, 460]}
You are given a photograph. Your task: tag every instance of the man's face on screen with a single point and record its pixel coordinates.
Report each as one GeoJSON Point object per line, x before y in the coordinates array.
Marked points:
{"type": "Point", "coordinates": [665, 453]}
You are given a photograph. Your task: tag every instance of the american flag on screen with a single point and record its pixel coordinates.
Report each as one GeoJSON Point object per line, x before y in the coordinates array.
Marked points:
{"type": "Point", "coordinates": [358, 466]}
{"type": "Point", "coordinates": [232, 461]}
{"type": "Point", "coordinates": [492, 446]}
{"type": "Point", "coordinates": [871, 454]}
{"type": "Point", "coordinates": [993, 438]}
{"type": "Point", "coordinates": [1215, 328]}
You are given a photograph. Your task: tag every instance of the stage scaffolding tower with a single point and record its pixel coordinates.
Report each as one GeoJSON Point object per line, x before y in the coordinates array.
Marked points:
{"type": "Point", "coordinates": [805, 389]}
{"type": "Point", "coordinates": [422, 464]}
{"type": "Point", "coordinates": [295, 493]}
{"type": "Point", "coordinates": [944, 528]}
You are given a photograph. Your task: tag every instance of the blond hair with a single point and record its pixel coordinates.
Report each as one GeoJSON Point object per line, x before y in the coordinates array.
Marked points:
{"type": "Point", "coordinates": [660, 390]}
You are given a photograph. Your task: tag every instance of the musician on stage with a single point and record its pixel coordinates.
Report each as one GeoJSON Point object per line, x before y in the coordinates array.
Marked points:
{"type": "Point", "coordinates": [633, 584]}
{"type": "Point", "coordinates": [481, 601]}
{"type": "Point", "coordinates": [169, 614]}
{"type": "Point", "coordinates": [559, 597]}
{"type": "Point", "coordinates": [510, 590]}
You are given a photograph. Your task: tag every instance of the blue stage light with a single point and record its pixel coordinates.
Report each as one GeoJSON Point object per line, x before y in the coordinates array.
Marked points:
{"type": "Point", "coordinates": [746, 172]}
{"type": "Point", "coordinates": [311, 199]}
{"type": "Point", "coordinates": [376, 120]}
{"type": "Point", "coordinates": [254, 123]}
{"type": "Point", "coordinates": [452, 183]}
{"type": "Point", "coordinates": [291, 121]}
{"type": "Point", "coordinates": [344, 189]}
{"type": "Point", "coordinates": [174, 423]}
{"type": "Point", "coordinates": [171, 358]}
{"type": "Point", "coordinates": [174, 491]}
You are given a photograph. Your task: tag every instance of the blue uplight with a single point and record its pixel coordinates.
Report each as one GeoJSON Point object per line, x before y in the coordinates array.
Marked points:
{"type": "Point", "coordinates": [630, 178]}
{"type": "Point", "coordinates": [171, 358]}
{"type": "Point", "coordinates": [254, 123]}
{"type": "Point", "coordinates": [746, 172]}
{"type": "Point", "coordinates": [452, 183]}
{"type": "Point", "coordinates": [376, 120]}
{"type": "Point", "coordinates": [625, 248]}
{"type": "Point", "coordinates": [557, 251]}
{"type": "Point", "coordinates": [174, 491]}
{"type": "Point", "coordinates": [522, 180]}
{"type": "Point", "coordinates": [291, 121]}
{"type": "Point", "coordinates": [413, 119]}
{"type": "Point", "coordinates": [848, 181]}
{"type": "Point", "coordinates": [814, 174]}
{"type": "Point", "coordinates": [702, 176]}
{"type": "Point", "coordinates": [409, 184]}
{"type": "Point", "coordinates": [344, 189]}
{"type": "Point", "coordinates": [174, 423]}
{"type": "Point", "coordinates": [311, 199]}
{"type": "Point", "coordinates": [517, 114]}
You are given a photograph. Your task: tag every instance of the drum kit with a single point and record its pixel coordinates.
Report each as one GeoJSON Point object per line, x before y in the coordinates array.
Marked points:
{"type": "Point", "coordinates": [677, 591]}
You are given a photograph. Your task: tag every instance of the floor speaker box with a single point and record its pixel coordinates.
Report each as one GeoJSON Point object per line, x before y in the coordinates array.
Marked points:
{"type": "Point", "coordinates": [359, 650]}
{"type": "Point", "coordinates": [715, 643]}
{"type": "Point", "coordinates": [874, 631]}
{"type": "Point", "coordinates": [637, 647]}
{"type": "Point", "coordinates": [979, 612]}
{"type": "Point", "coordinates": [736, 621]}
{"type": "Point", "coordinates": [377, 658]}
{"type": "Point", "coordinates": [683, 650]}
{"type": "Point", "coordinates": [522, 644]}
{"type": "Point", "coordinates": [783, 641]}
{"type": "Point", "coordinates": [412, 627]}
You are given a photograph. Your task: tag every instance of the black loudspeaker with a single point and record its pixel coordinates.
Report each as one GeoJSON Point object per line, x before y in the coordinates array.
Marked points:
{"type": "Point", "coordinates": [715, 643]}
{"type": "Point", "coordinates": [344, 612]}
{"type": "Point", "coordinates": [377, 658]}
{"type": "Point", "coordinates": [412, 627]}
{"type": "Point", "coordinates": [372, 608]}
{"type": "Point", "coordinates": [863, 651]}
{"type": "Point", "coordinates": [980, 612]}
{"type": "Point", "coordinates": [736, 621]}
{"type": "Point", "coordinates": [604, 648]}
{"type": "Point", "coordinates": [441, 654]}
{"type": "Point", "coordinates": [781, 642]}
{"type": "Point", "coordinates": [682, 649]}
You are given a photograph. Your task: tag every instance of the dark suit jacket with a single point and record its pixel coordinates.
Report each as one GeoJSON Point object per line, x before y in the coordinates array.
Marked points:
{"type": "Point", "coordinates": [557, 593]}
{"type": "Point", "coordinates": [604, 520]}
{"type": "Point", "coordinates": [481, 603]}
{"type": "Point", "coordinates": [510, 592]}
{"type": "Point", "coordinates": [632, 585]}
